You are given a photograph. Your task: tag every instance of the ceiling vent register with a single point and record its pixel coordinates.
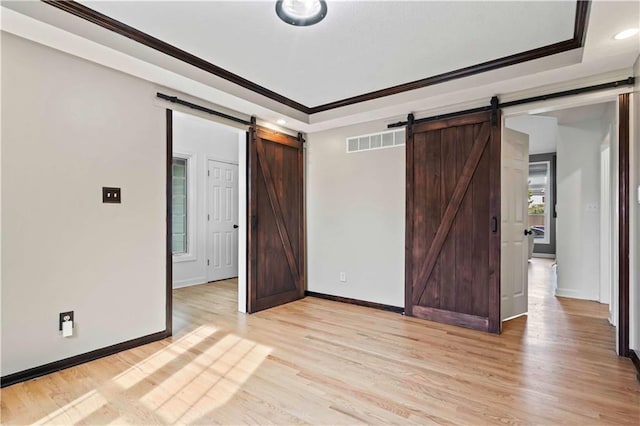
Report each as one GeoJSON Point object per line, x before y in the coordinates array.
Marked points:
{"type": "Point", "coordinates": [388, 139]}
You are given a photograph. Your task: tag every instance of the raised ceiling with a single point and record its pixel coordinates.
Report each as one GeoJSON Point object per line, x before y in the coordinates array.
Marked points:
{"type": "Point", "coordinates": [601, 58]}
{"type": "Point", "coordinates": [360, 47]}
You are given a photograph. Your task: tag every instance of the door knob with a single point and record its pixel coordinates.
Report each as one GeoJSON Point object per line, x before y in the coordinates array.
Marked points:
{"type": "Point", "coordinates": [527, 232]}
{"type": "Point", "coordinates": [235, 226]}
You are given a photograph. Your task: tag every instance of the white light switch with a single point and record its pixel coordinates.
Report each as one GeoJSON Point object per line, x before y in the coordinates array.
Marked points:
{"type": "Point", "coordinates": [67, 329]}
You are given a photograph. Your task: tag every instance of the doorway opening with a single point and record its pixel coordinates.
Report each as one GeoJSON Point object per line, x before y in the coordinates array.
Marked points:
{"type": "Point", "coordinates": [208, 216]}
{"type": "Point", "coordinates": [235, 215]}
{"type": "Point", "coordinates": [560, 206]}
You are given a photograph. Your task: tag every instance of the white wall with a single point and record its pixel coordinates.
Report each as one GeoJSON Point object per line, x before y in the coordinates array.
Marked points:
{"type": "Point", "coordinates": [614, 199]}
{"type": "Point", "coordinates": [605, 224]}
{"type": "Point", "coordinates": [355, 217]}
{"type": "Point", "coordinates": [201, 140]}
{"type": "Point", "coordinates": [70, 127]}
{"type": "Point", "coordinates": [578, 222]}
{"type": "Point", "coordinates": [610, 235]}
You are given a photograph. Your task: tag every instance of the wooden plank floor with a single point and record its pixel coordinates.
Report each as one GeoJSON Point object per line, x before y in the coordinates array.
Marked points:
{"type": "Point", "coordinates": [321, 362]}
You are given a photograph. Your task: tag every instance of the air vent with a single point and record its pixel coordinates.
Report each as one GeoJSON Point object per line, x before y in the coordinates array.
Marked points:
{"type": "Point", "coordinates": [376, 141]}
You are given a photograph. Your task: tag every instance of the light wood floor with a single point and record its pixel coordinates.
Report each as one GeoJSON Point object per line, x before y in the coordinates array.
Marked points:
{"type": "Point", "coordinates": [321, 362]}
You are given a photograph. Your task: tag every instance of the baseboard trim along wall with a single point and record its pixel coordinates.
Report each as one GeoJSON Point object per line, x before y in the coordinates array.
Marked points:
{"type": "Point", "coordinates": [350, 301]}
{"type": "Point", "coordinates": [544, 255]}
{"type": "Point", "coordinates": [636, 361]}
{"type": "Point", "coordinates": [574, 294]}
{"type": "Point", "coordinates": [52, 367]}
{"type": "Point", "coordinates": [190, 282]}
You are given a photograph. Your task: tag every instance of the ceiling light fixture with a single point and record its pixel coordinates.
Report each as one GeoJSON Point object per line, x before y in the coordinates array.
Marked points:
{"type": "Point", "coordinates": [301, 13]}
{"type": "Point", "coordinates": [281, 121]}
{"type": "Point", "coordinates": [626, 34]}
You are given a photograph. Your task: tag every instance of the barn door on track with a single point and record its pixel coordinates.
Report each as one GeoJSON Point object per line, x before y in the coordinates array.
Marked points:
{"type": "Point", "coordinates": [276, 220]}
{"type": "Point", "coordinates": [452, 259]}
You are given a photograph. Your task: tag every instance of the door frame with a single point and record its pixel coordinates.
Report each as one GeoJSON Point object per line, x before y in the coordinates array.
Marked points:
{"type": "Point", "coordinates": [242, 218]}
{"type": "Point", "coordinates": [621, 97]}
{"type": "Point", "coordinates": [169, 229]}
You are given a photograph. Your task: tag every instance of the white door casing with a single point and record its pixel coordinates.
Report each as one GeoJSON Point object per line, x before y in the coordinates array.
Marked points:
{"type": "Point", "coordinates": [514, 250]}
{"type": "Point", "coordinates": [605, 225]}
{"type": "Point", "coordinates": [222, 220]}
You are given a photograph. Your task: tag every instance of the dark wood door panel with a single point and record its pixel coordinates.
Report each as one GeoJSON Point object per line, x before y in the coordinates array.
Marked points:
{"type": "Point", "coordinates": [276, 218]}
{"type": "Point", "coordinates": [270, 250]}
{"type": "Point", "coordinates": [283, 165]}
{"type": "Point", "coordinates": [465, 120]}
{"type": "Point", "coordinates": [450, 188]}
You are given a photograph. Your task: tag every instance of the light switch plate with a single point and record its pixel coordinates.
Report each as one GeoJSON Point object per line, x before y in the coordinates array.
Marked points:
{"type": "Point", "coordinates": [111, 195]}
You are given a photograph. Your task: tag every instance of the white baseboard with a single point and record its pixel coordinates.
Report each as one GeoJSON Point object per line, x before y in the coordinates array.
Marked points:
{"type": "Point", "coordinates": [544, 255]}
{"type": "Point", "coordinates": [189, 282]}
{"type": "Point", "coordinates": [573, 294]}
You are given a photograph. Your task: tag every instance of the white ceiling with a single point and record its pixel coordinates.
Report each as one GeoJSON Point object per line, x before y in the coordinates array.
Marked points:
{"type": "Point", "coordinates": [543, 128]}
{"type": "Point", "coordinates": [542, 131]}
{"type": "Point", "coordinates": [601, 59]}
{"type": "Point", "coordinates": [360, 47]}
{"type": "Point", "coordinates": [578, 114]}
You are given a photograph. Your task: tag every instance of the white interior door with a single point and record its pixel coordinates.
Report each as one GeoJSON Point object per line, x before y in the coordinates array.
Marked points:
{"type": "Point", "coordinates": [514, 253]}
{"type": "Point", "coordinates": [222, 220]}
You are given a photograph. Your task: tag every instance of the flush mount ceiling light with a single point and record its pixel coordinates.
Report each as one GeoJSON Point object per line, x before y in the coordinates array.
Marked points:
{"type": "Point", "coordinates": [281, 121]}
{"type": "Point", "coordinates": [301, 13]}
{"type": "Point", "coordinates": [626, 34]}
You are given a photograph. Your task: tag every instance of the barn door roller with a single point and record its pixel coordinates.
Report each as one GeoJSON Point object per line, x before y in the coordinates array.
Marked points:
{"type": "Point", "coordinates": [495, 104]}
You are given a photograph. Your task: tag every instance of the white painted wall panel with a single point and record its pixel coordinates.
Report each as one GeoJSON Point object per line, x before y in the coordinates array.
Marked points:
{"type": "Point", "coordinates": [578, 221]}
{"type": "Point", "coordinates": [70, 127]}
{"type": "Point", "coordinates": [355, 217]}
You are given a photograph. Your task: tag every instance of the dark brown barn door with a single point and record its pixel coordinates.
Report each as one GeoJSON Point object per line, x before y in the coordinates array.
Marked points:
{"type": "Point", "coordinates": [453, 217]}
{"type": "Point", "coordinates": [276, 220]}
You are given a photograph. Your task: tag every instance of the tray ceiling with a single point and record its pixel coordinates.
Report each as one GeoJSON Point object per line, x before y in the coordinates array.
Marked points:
{"type": "Point", "coordinates": [359, 48]}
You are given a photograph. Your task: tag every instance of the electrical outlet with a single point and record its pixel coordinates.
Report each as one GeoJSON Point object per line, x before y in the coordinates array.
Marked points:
{"type": "Point", "coordinates": [343, 277]}
{"type": "Point", "coordinates": [65, 316]}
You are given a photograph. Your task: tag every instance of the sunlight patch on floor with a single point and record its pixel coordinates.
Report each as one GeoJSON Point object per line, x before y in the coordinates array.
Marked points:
{"type": "Point", "coordinates": [161, 358]}
{"type": "Point", "coordinates": [211, 380]}
{"type": "Point", "coordinates": [75, 411]}
{"type": "Point", "coordinates": [190, 377]}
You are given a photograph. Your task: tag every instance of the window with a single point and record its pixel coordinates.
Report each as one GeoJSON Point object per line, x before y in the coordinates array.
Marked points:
{"type": "Point", "coordinates": [539, 201]}
{"type": "Point", "coordinates": [179, 205]}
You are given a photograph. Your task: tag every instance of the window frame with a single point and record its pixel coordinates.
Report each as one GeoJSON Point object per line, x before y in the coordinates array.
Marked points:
{"type": "Point", "coordinates": [548, 207]}
{"type": "Point", "coordinates": [190, 254]}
